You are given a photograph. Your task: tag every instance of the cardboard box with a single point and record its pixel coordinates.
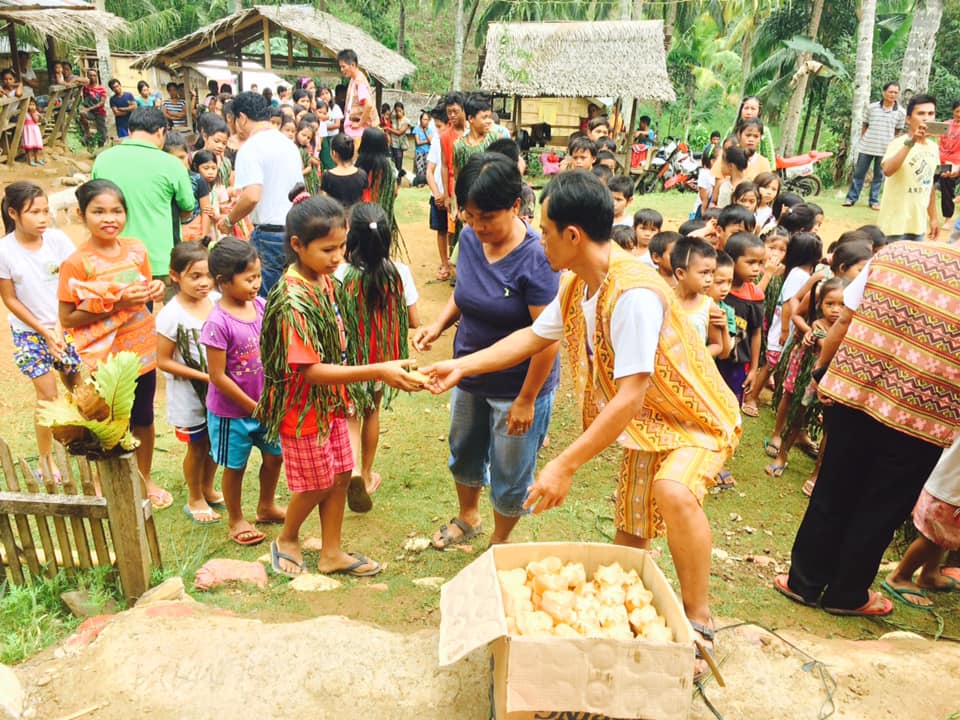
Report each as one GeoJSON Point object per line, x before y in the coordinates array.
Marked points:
{"type": "Point", "coordinates": [591, 678]}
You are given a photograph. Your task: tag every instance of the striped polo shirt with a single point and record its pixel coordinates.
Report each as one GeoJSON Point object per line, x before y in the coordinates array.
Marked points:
{"type": "Point", "coordinates": [882, 127]}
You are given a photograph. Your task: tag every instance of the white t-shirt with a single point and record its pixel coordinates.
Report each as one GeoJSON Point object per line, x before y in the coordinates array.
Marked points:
{"type": "Point", "coordinates": [944, 481]}
{"type": "Point", "coordinates": [184, 408]}
{"type": "Point", "coordinates": [647, 260]}
{"type": "Point", "coordinates": [28, 74]}
{"type": "Point", "coordinates": [270, 160]}
{"type": "Point", "coordinates": [335, 114]}
{"type": "Point", "coordinates": [705, 181]}
{"type": "Point", "coordinates": [762, 216]}
{"type": "Point", "coordinates": [634, 328]}
{"type": "Point", "coordinates": [795, 280]}
{"type": "Point", "coordinates": [434, 155]}
{"type": "Point", "coordinates": [853, 293]}
{"type": "Point", "coordinates": [410, 294]}
{"type": "Point", "coordinates": [35, 275]}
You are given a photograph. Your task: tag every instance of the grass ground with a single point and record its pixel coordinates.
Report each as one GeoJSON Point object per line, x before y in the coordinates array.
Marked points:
{"type": "Point", "coordinates": [756, 521]}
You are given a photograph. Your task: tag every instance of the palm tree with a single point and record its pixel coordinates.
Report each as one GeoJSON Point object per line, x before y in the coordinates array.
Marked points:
{"type": "Point", "coordinates": [862, 74]}
{"type": "Point", "coordinates": [791, 122]}
{"type": "Point", "coordinates": [918, 57]}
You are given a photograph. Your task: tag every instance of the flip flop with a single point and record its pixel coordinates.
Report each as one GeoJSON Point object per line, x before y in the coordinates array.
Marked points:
{"type": "Point", "coordinates": [953, 583]}
{"type": "Point", "coordinates": [358, 499]}
{"type": "Point", "coordinates": [865, 610]}
{"type": "Point", "coordinates": [469, 532]}
{"type": "Point", "coordinates": [775, 469]}
{"type": "Point", "coordinates": [270, 521]}
{"type": "Point", "coordinates": [276, 556]}
{"type": "Point", "coordinates": [725, 480]}
{"type": "Point", "coordinates": [901, 594]}
{"type": "Point", "coordinates": [709, 635]}
{"type": "Point", "coordinates": [750, 410]}
{"type": "Point", "coordinates": [254, 537]}
{"type": "Point", "coordinates": [810, 449]}
{"type": "Point", "coordinates": [195, 514]}
{"type": "Point", "coordinates": [951, 572]}
{"type": "Point", "coordinates": [217, 504]}
{"type": "Point", "coordinates": [353, 571]}
{"type": "Point", "coordinates": [160, 499]}
{"type": "Point", "coordinates": [807, 488]}
{"type": "Point", "coordinates": [781, 585]}
{"type": "Point", "coordinates": [770, 449]}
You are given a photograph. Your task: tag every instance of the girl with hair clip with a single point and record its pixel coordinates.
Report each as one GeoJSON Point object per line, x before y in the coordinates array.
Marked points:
{"type": "Point", "coordinates": [382, 308]}
{"type": "Point", "coordinates": [309, 380]}
{"type": "Point", "coordinates": [374, 159]}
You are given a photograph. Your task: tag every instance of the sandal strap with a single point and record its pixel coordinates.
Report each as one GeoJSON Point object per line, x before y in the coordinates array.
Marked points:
{"type": "Point", "coordinates": [706, 631]}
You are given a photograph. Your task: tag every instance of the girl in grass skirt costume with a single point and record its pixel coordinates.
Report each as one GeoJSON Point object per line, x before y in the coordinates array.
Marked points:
{"type": "Point", "coordinates": [381, 307]}
{"type": "Point", "coordinates": [305, 399]}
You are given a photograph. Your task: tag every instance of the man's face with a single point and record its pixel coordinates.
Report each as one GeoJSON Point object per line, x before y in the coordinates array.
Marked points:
{"type": "Point", "coordinates": [92, 76]}
{"type": "Point", "coordinates": [116, 88]}
{"type": "Point", "coordinates": [455, 115]}
{"type": "Point", "coordinates": [891, 94]}
{"type": "Point", "coordinates": [556, 246]}
{"type": "Point", "coordinates": [481, 123]}
{"type": "Point", "coordinates": [619, 203]}
{"type": "Point", "coordinates": [921, 115]}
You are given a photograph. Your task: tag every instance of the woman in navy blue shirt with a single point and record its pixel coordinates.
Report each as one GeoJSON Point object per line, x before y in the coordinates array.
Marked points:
{"type": "Point", "coordinates": [497, 421]}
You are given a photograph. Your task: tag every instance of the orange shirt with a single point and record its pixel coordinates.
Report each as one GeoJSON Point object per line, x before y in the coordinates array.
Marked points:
{"type": "Point", "coordinates": [94, 282]}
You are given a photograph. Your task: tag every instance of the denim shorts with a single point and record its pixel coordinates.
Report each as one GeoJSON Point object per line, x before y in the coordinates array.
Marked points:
{"type": "Point", "coordinates": [482, 453]}
{"type": "Point", "coordinates": [233, 439]}
{"type": "Point", "coordinates": [273, 260]}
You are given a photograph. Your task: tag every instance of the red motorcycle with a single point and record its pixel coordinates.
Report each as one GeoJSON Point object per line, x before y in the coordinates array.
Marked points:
{"type": "Point", "coordinates": [797, 174]}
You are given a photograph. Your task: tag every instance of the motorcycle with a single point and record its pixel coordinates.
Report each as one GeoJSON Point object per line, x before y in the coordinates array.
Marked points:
{"type": "Point", "coordinates": [797, 173]}
{"type": "Point", "coordinates": [672, 166]}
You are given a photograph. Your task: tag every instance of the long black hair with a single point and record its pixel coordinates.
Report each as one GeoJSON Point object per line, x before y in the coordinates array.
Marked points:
{"type": "Point", "coordinates": [368, 250]}
{"type": "Point", "coordinates": [18, 196]}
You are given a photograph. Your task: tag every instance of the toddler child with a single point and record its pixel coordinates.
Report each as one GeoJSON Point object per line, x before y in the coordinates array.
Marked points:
{"type": "Point", "coordinates": [182, 361]}
{"type": "Point", "coordinates": [694, 262]}
{"type": "Point", "coordinates": [198, 224]}
{"type": "Point", "coordinates": [646, 223]}
{"type": "Point", "coordinates": [104, 291]}
{"type": "Point", "coordinates": [32, 137]}
{"type": "Point", "coordinates": [660, 246]}
{"type": "Point", "coordinates": [30, 258]}
{"type": "Point", "coordinates": [231, 338]}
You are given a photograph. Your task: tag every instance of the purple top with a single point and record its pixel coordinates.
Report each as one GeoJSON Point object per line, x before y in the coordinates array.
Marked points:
{"type": "Point", "coordinates": [494, 300]}
{"type": "Point", "coordinates": [241, 341]}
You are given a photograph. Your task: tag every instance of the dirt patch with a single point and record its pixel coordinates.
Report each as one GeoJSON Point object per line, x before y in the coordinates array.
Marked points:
{"type": "Point", "coordinates": [185, 660]}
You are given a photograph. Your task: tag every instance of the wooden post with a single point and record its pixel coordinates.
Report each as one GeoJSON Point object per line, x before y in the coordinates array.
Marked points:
{"type": "Point", "coordinates": [289, 50]}
{"type": "Point", "coordinates": [267, 62]}
{"type": "Point", "coordinates": [240, 71]}
{"type": "Point", "coordinates": [628, 145]}
{"type": "Point", "coordinates": [122, 489]}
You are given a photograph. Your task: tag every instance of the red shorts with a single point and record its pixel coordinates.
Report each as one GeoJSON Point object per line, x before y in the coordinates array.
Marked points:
{"type": "Point", "coordinates": [309, 465]}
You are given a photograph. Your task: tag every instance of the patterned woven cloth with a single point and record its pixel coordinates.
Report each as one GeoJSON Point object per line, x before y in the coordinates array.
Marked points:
{"type": "Point", "coordinates": [900, 359]}
{"type": "Point", "coordinates": [687, 403]}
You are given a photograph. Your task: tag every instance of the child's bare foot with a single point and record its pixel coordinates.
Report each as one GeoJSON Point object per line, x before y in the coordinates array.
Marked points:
{"type": "Point", "coordinates": [271, 514]}
{"type": "Point", "coordinates": [373, 482]}
{"type": "Point", "coordinates": [243, 533]}
{"type": "Point", "coordinates": [354, 564]}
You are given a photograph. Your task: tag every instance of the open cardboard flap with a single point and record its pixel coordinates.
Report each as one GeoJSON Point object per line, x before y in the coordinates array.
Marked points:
{"type": "Point", "coordinates": [471, 610]}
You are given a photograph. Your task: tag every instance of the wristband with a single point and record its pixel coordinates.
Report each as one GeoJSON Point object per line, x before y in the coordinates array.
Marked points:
{"type": "Point", "coordinates": [909, 143]}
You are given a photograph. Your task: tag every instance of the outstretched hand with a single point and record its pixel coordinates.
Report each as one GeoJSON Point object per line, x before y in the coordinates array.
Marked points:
{"type": "Point", "coordinates": [395, 374]}
{"type": "Point", "coordinates": [443, 376]}
{"type": "Point", "coordinates": [550, 488]}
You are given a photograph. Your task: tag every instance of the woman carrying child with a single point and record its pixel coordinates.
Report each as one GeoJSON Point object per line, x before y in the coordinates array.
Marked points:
{"type": "Point", "coordinates": [104, 291]}
{"type": "Point", "coordinates": [382, 307]}
{"type": "Point", "coordinates": [182, 360]}
{"type": "Point", "coordinates": [305, 401]}
{"type": "Point", "coordinates": [31, 255]}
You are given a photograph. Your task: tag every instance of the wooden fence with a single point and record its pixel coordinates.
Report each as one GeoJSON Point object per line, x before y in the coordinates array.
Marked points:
{"type": "Point", "coordinates": [89, 528]}
{"type": "Point", "coordinates": [63, 105]}
{"type": "Point", "coordinates": [13, 113]}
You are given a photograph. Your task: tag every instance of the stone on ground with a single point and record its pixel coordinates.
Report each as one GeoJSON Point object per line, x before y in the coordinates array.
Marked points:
{"type": "Point", "coordinates": [11, 695]}
{"type": "Point", "coordinates": [221, 571]}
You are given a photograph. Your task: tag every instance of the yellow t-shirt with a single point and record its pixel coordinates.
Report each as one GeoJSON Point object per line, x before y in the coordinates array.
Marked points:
{"type": "Point", "coordinates": [906, 193]}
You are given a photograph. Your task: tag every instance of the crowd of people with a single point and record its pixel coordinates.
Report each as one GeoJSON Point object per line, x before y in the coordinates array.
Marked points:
{"type": "Point", "coordinates": [287, 321]}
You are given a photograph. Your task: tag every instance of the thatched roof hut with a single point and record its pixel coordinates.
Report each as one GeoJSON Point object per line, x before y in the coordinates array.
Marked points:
{"type": "Point", "coordinates": [323, 34]}
{"type": "Point", "coordinates": [61, 19]}
{"type": "Point", "coordinates": [577, 59]}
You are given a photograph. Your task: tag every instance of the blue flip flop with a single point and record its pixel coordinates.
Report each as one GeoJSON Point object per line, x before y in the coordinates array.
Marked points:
{"type": "Point", "coordinates": [354, 569]}
{"type": "Point", "coordinates": [901, 594]}
{"type": "Point", "coordinates": [276, 556]}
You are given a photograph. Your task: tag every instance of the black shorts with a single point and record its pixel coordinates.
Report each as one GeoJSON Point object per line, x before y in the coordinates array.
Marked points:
{"type": "Point", "coordinates": [142, 413]}
{"type": "Point", "coordinates": [438, 217]}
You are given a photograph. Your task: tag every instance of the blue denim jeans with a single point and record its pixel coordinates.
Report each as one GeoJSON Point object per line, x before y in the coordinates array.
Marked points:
{"type": "Point", "coordinates": [270, 246]}
{"type": "Point", "coordinates": [860, 173]}
{"type": "Point", "coordinates": [482, 453]}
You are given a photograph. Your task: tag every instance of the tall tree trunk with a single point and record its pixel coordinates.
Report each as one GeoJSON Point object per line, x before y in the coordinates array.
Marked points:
{"type": "Point", "coordinates": [458, 47]}
{"type": "Point", "coordinates": [102, 44]}
{"type": "Point", "coordinates": [669, 23]}
{"type": "Point", "coordinates": [861, 77]}
{"type": "Point", "coordinates": [638, 9]}
{"type": "Point", "coordinates": [402, 29]}
{"type": "Point", "coordinates": [791, 121]}
{"type": "Point", "coordinates": [746, 61]}
{"type": "Point", "coordinates": [918, 57]}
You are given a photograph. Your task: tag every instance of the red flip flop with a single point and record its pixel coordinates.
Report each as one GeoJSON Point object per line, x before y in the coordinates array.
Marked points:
{"type": "Point", "coordinates": [868, 609]}
{"type": "Point", "coordinates": [781, 585]}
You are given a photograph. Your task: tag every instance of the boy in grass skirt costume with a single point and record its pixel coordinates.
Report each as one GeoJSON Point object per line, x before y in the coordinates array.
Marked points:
{"type": "Point", "coordinates": [308, 376]}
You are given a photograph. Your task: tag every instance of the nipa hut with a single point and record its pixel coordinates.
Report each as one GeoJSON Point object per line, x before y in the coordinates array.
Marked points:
{"type": "Point", "coordinates": [289, 40]}
{"type": "Point", "coordinates": [614, 59]}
